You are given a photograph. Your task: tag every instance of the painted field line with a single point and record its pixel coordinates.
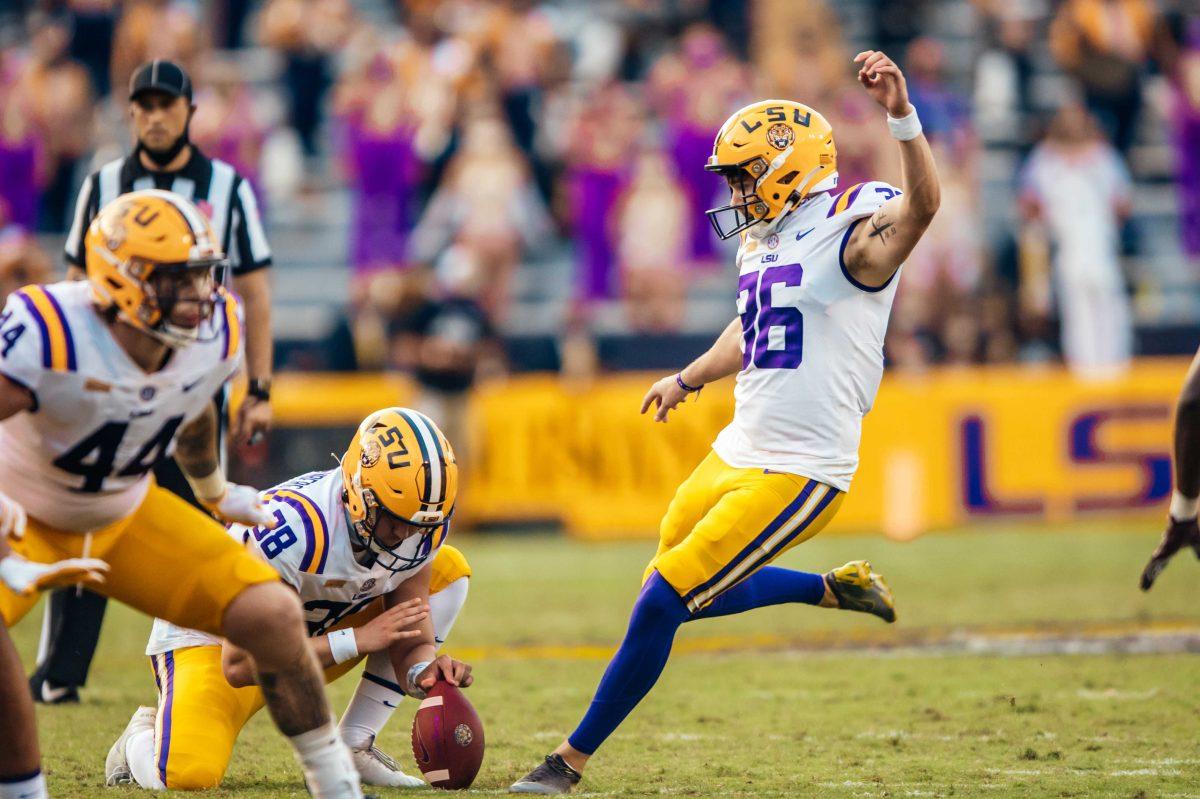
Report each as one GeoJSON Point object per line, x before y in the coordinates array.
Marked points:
{"type": "Point", "coordinates": [1093, 638]}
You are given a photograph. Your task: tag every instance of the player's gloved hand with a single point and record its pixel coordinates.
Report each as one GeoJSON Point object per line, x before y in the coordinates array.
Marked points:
{"type": "Point", "coordinates": [394, 624]}
{"type": "Point", "coordinates": [12, 517]}
{"type": "Point", "coordinates": [26, 577]}
{"type": "Point", "coordinates": [1178, 535]}
{"type": "Point", "coordinates": [240, 504]}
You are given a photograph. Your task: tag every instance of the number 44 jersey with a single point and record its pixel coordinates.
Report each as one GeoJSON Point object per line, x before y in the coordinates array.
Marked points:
{"type": "Point", "coordinates": [812, 342]}
{"type": "Point", "coordinates": [81, 459]}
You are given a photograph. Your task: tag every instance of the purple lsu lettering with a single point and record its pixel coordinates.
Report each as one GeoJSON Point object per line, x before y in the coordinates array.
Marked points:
{"type": "Point", "coordinates": [979, 496]}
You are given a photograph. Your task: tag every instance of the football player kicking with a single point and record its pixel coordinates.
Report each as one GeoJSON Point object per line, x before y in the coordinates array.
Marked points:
{"type": "Point", "coordinates": [1182, 530]}
{"type": "Point", "coordinates": [363, 546]}
{"type": "Point", "coordinates": [100, 380]}
{"type": "Point", "coordinates": [817, 275]}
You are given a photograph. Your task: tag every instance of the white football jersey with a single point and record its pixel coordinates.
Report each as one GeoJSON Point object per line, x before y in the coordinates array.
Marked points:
{"type": "Point", "coordinates": [812, 342]}
{"type": "Point", "coordinates": [310, 548]}
{"type": "Point", "coordinates": [81, 459]}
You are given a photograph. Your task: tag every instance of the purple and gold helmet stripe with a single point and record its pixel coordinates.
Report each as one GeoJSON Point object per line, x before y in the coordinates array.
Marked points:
{"type": "Point", "coordinates": [432, 454]}
{"type": "Point", "coordinates": [58, 345]}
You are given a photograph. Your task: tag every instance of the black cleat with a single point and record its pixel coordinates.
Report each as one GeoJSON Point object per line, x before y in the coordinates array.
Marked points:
{"type": "Point", "coordinates": [553, 776]}
{"type": "Point", "coordinates": [48, 693]}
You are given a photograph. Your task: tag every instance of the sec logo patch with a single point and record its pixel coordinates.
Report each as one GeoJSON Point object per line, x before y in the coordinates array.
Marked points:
{"type": "Point", "coordinates": [772, 241]}
{"type": "Point", "coordinates": [463, 735]}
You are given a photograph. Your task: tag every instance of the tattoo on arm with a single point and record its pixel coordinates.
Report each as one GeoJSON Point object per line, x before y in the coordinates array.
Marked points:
{"type": "Point", "coordinates": [881, 227]}
{"type": "Point", "coordinates": [196, 449]}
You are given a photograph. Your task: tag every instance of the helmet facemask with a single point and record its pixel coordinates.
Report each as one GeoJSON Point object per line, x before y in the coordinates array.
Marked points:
{"type": "Point", "coordinates": [389, 557]}
{"type": "Point", "coordinates": [160, 283]}
{"type": "Point", "coordinates": [730, 220]}
{"type": "Point", "coordinates": [163, 288]}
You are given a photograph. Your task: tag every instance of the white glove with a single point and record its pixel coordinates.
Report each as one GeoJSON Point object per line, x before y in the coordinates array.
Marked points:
{"type": "Point", "coordinates": [12, 517]}
{"type": "Point", "coordinates": [240, 504]}
{"type": "Point", "coordinates": [25, 576]}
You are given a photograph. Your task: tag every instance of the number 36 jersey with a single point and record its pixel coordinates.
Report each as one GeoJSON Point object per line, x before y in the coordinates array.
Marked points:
{"type": "Point", "coordinates": [812, 342]}
{"type": "Point", "coordinates": [80, 460]}
{"type": "Point", "coordinates": [310, 548]}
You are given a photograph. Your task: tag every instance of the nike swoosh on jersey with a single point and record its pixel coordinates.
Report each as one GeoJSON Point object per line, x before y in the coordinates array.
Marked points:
{"type": "Point", "coordinates": [805, 233]}
{"type": "Point", "coordinates": [189, 386]}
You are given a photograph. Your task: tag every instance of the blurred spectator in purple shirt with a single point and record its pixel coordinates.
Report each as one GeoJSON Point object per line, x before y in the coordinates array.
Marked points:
{"type": "Point", "coordinates": [19, 147]}
{"type": "Point", "coordinates": [944, 111]}
{"type": "Point", "coordinates": [1185, 119]}
{"type": "Point", "coordinates": [601, 137]}
{"type": "Point", "coordinates": [695, 90]}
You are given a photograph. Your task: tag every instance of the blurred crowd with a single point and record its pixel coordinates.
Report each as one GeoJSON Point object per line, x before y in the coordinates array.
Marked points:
{"type": "Point", "coordinates": [475, 136]}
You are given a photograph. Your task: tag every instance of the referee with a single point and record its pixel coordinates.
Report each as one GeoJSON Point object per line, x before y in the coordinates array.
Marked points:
{"type": "Point", "coordinates": [160, 108]}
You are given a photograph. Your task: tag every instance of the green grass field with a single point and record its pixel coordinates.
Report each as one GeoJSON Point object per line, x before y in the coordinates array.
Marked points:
{"type": "Point", "coordinates": [791, 701]}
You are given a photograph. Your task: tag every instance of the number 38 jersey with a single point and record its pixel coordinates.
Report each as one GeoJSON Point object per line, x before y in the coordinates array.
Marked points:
{"type": "Point", "coordinates": [812, 342]}
{"type": "Point", "coordinates": [81, 459]}
{"type": "Point", "coordinates": [310, 548]}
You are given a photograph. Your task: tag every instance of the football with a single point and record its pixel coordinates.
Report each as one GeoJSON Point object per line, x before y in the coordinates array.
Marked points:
{"type": "Point", "coordinates": [447, 738]}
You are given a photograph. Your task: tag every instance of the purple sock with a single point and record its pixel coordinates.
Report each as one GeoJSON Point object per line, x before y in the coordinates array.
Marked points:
{"type": "Point", "coordinates": [769, 585]}
{"type": "Point", "coordinates": [635, 668]}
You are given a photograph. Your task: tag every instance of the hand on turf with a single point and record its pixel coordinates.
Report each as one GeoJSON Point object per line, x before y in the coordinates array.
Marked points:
{"type": "Point", "coordinates": [27, 577]}
{"type": "Point", "coordinates": [665, 395]}
{"type": "Point", "coordinates": [884, 81]}
{"type": "Point", "coordinates": [445, 668]}
{"type": "Point", "coordinates": [1178, 535]}
{"type": "Point", "coordinates": [242, 505]}
{"type": "Point", "coordinates": [394, 624]}
{"type": "Point", "coordinates": [12, 517]}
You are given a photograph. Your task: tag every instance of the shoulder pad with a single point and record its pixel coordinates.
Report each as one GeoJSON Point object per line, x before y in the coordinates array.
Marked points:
{"type": "Point", "coordinates": [47, 324]}
{"type": "Point", "coordinates": [863, 199]}
{"type": "Point", "coordinates": [301, 536]}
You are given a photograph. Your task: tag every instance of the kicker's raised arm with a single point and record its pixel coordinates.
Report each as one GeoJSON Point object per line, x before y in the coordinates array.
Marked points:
{"type": "Point", "coordinates": [876, 249]}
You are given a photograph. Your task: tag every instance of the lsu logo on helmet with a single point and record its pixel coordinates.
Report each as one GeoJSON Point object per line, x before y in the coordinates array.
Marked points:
{"type": "Point", "coordinates": [777, 152]}
{"type": "Point", "coordinates": [401, 465]}
{"type": "Point", "coordinates": [141, 248]}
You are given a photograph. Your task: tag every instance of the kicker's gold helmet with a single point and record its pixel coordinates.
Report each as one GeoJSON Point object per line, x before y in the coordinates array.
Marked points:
{"type": "Point", "coordinates": [399, 464]}
{"type": "Point", "coordinates": [141, 248]}
{"type": "Point", "coordinates": [781, 151]}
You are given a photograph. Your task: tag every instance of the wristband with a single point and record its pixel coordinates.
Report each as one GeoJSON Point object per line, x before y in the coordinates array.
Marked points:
{"type": "Point", "coordinates": [412, 689]}
{"type": "Point", "coordinates": [906, 128]}
{"type": "Point", "coordinates": [1183, 508]}
{"type": "Point", "coordinates": [342, 645]}
{"type": "Point", "coordinates": [685, 386]}
{"type": "Point", "coordinates": [208, 489]}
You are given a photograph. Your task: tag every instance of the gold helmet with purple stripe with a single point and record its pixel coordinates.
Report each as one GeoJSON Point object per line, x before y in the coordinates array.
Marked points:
{"type": "Point", "coordinates": [777, 152]}
{"type": "Point", "coordinates": [398, 464]}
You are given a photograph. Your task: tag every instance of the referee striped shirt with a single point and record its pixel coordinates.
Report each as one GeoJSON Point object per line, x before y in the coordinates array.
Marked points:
{"type": "Point", "coordinates": [213, 185]}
